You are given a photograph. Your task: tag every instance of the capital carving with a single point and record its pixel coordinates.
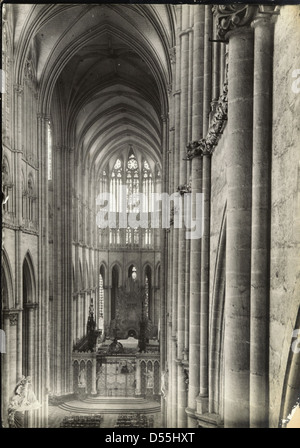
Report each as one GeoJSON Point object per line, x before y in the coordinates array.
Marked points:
{"type": "Point", "coordinates": [230, 17]}
{"type": "Point", "coordinates": [13, 319]}
{"type": "Point", "coordinates": [197, 149]}
{"type": "Point", "coordinates": [206, 146]}
{"type": "Point", "coordinates": [185, 188]}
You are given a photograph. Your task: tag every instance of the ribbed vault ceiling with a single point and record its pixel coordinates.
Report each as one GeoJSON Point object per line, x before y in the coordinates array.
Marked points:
{"type": "Point", "coordinates": [110, 67]}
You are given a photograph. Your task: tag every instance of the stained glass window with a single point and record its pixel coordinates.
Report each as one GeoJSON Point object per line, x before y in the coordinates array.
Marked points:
{"type": "Point", "coordinates": [136, 177]}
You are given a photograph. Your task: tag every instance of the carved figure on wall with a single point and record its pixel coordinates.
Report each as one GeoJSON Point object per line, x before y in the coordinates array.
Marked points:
{"type": "Point", "coordinates": [164, 383]}
{"type": "Point", "coordinates": [150, 379]}
{"type": "Point", "coordinates": [82, 378]}
{"type": "Point", "coordinates": [23, 400]}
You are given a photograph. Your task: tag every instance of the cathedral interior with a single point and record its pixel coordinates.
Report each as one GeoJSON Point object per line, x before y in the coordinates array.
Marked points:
{"type": "Point", "coordinates": [150, 215]}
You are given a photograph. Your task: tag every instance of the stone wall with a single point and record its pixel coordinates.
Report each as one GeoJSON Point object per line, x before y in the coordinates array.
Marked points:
{"type": "Point", "coordinates": [284, 281]}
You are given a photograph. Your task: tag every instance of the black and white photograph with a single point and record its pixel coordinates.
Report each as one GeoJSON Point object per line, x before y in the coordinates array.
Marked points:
{"type": "Point", "coordinates": [150, 258]}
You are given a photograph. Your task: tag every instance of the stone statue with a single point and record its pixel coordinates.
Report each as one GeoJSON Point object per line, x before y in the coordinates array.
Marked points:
{"type": "Point", "coordinates": [164, 383]}
{"type": "Point", "coordinates": [82, 378]}
{"type": "Point", "coordinates": [115, 347]}
{"type": "Point", "coordinates": [23, 400]}
{"type": "Point", "coordinates": [149, 376]}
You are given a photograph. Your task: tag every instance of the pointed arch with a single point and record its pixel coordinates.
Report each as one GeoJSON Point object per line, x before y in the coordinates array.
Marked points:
{"type": "Point", "coordinates": [157, 275]}
{"type": "Point", "coordinates": [29, 316]}
{"type": "Point", "coordinates": [120, 271]}
{"type": "Point", "coordinates": [29, 283]}
{"type": "Point", "coordinates": [130, 268]}
{"type": "Point", "coordinates": [102, 272]}
{"type": "Point", "coordinates": [7, 282]}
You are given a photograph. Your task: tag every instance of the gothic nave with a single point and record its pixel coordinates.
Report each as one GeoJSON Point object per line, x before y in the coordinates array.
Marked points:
{"type": "Point", "coordinates": [150, 215]}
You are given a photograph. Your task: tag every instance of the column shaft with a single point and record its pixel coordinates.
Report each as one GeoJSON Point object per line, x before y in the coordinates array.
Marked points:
{"type": "Point", "coordinates": [181, 421]}
{"type": "Point", "coordinates": [194, 319]}
{"type": "Point", "coordinates": [5, 380]}
{"type": "Point", "coordinates": [94, 376]}
{"type": "Point", "coordinates": [195, 244]}
{"type": "Point", "coordinates": [207, 69]}
{"type": "Point", "coordinates": [260, 242]}
{"type": "Point", "coordinates": [204, 306]}
{"type": "Point", "coordinates": [215, 67]}
{"type": "Point", "coordinates": [238, 242]}
{"type": "Point", "coordinates": [138, 378]}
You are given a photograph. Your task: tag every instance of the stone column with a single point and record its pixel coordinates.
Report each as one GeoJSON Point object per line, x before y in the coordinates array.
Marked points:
{"type": "Point", "coordinates": [94, 376]}
{"type": "Point", "coordinates": [193, 340]}
{"type": "Point", "coordinates": [174, 391]}
{"type": "Point", "coordinates": [43, 269]}
{"type": "Point", "coordinates": [202, 402]}
{"type": "Point", "coordinates": [198, 54]}
{"type": "Point", "coordinates": [56, 321]}
{"type": "Point", "coordinates": [181, 420]}
{"type": "Point", "coordinates": [172, 410]}
{"type": "Point", "coordinates": [31, 307]}
{"type": "Point", "coordinates": [77, 318]}
{"type": "Point", "coordinates": [18, 139]}
{"type": "Point", "coordinates": [204, 297]}
{"type": "Point", "coordinates": [238, 240]}
{"type": "Point", "coordinates": [169, 350]}
{"type": "Point", "coordinates": [194, 319]}
{"type": "Point", "coordinates": [20, 344]}
{"type": "Point", "coordinates": [185, 118]}
{"type": "Point", "coordinates": [5, 358]}
{"type": "Point", "coordinates": [31, 326]}
{"type": "Point", "coordinates": [207, 75]}
{"type": "Point", "coordinates": [260, 240]}
{"type": "Point", "coordinates": [166, 245]}
{"type": "Point", "coordinates": [222, 62]}
{"type": "Point", "coordinates": [109, 294]}
{"type": "Point", "coordinates": [138, 378]}
{"type": "Point", "coordinates": [215, 67]}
